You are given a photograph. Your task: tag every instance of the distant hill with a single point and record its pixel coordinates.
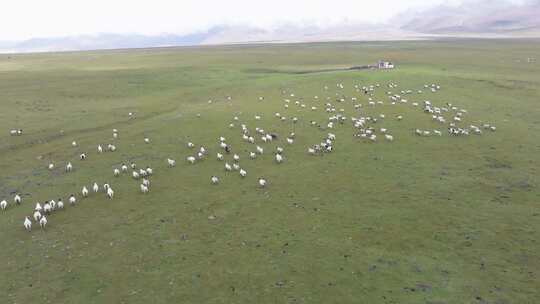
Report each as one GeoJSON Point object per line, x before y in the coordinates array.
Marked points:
{"type": "Point", "coordinates": [104, 41]}
{"type": "Point", "coordinates": [478, 17]}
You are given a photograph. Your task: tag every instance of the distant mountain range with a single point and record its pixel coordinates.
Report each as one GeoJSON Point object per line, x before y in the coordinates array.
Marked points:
{"type": "Point", "coordinates": [480, 17]}
{"type": "Point", "coordinates": [477, 19]}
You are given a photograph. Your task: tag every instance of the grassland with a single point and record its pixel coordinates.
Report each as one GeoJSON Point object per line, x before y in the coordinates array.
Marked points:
{"type": "Point", "coordinates": [419, 220]}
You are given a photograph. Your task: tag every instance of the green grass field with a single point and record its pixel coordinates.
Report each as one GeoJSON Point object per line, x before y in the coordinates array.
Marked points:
{"type": "Point", "coordinates": [430, 220]}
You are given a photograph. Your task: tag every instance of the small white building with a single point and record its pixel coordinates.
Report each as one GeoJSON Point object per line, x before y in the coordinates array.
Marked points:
{"type": "Point", "coordinates": [385, 65]}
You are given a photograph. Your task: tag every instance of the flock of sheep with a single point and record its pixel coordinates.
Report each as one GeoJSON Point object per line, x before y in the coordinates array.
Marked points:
{"type": "Point", "coordinates": [364, 127]}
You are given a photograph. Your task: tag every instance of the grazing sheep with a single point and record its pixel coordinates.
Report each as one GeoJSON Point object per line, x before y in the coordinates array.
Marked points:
{"type": "Point", "coordinates": [149, 171]}
{"type": "Point", "coordinates": [60, 204]}
{"type": "Point", "coordinates": [311, 151]}
{"type": "Point", "coordinates": [144, 189]}
{"type": "Point", "coordinates": [260, 150]}
{"type": "Point", "coordinates": [72, 200]}
{"type": "Point", "coordinates": [279, 158]}
{"type": "Point", "coordinates": [236, 167]}
{"type": "Point", "coordinates": [47, 208]}
{"type": "Point", "coordinates": [147, 140]}
{"type": "Point", "coordinates": [252, 155]}
{"type": "Point", "coordinates": [53, 205]}
{"type": "Point", "coordinates": [17, 199]}
{"type": "Point", "coordinates": [27, 223]}
{"type": "Point", "coordinates": [124, 168]}
{"type": "Point", "coordinates": [228, 167]}
{"type": "Point", "coordinates": [279, 150]}
{"type": "Point", "coordinates": [116, 172]}
{"type": "Point", "coordinates": [290, 141]}
{"type": "Point", "coordinates": [219, 156]}
{"type": "Point", "coordinates": [43, 222]}
{"type": "Point", "coordinates": [85, 191]}
{"type": "Point", "coordinates": [135, 174]}
{"type": "Point", "coordinates": [100, 149]}
{"type": "Point", "coordinates": [262, 182]}
{"type": "Point", "coordinates": [146, 182]}
{"type": "Point", "coordinates": [133, 165]}
{"type": "Point", "coordinates": [171, 162]}
{"type": "Point", "coordinates": [110, 193]}
{"type": "Point", "coordinates": [51, 166]}
{"type": "Point", "coordinates": [200, 155]}
{"type": "Point", "coordinates": [3, 205]}
{"type": "Point", "coordinates": [243, 173]}
{"type": "Point", "coordinates": [215, 180]}
{"type": "Point", "coordinates": [236, 157]}
{"type": "Point", "coordinates": [95, 187]}
{"type": "Point", "coordinates": [74, 143]}
{"type": "Point", "coordinates": [69, 167]}
{"type": "Point", "coordinates": [389, 137]}
{"type": "Point", "coordinates": [191, 159]}
{"type": "Point", "coordinates": [37, 216]}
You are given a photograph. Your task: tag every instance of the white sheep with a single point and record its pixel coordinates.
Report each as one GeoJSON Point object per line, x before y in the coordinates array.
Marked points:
{"type": "Point", "coordinates": [72, 200]}
{"type": "Point", "coordinates": [17, 199]}
{"type": "Point", "coordinates": [27, 223]}
{"type": "Point", "coordinates": [279, 158]}
{"type": "Point", "coordinates": [219, 156]}
{"type": "Point", "coordinates": [43, 222]}
{"type": "Point", "coordinates": [110, 193]}
{"type": "Point", "coordinates": [252, 155]}
{"type": "Point", "coordinates": [116, 172]}
{"type": "Point", "coordinates": [236, 167]}
{"type": "Point", "coordinates": [147, 140]}
{"type": "Point", "coordinates": [3, 204]}
{"type": "Point", "coordinates": [262, 182]}
{"type": "Point", "coordinates": [47, 208]}
{"type": "Point", "coordinates": [135, 174]}
{"type": "Point", "coordinates": [243, 173]}
{"type": "Point", "coordinates": [228, 167]}
{"type": "Point", "coordinates": [149, 171]}
{"type": "Point", "coordinates": [124, 168]}
{"type": "Point", "coordinates": [260, 150]}
{"type": "Point", "coordinates": [144, 189]}
{"type": "Point", "coordinates": [69, 167]}
{"type": "Point", "coordinates": [191, 159]}
{"type": "Point", "coordinates": [236, 157]}
{"type": "Point", "coordinates": [60, 204]}
{"type": "Point", "coordinates": [74, 143]}
{"type": "Point", "coordinates": [146, 182]}
{"type": "Point", "coordinates": [389, 137]}
{"type": "Point", "coordinates": [171, 162]}
{"type": "Point", "coordinates": [84, 191]}
{"type": "Point", "coordinates": [215, 180]}
{"type": "Point", "coordinates": [290, 141]}
{"type": "Point", "coordinates": [51, 166]}
{"type": "Point", "coordinates": [37, 216]}
{"type": "Point", "coordinates": [95, 187]}
{"type": "Point", "coordinates": [100, 149]}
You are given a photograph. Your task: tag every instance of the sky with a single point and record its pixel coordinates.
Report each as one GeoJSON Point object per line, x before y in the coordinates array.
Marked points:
{"type": "Point", "coordinates": [25, 19]}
